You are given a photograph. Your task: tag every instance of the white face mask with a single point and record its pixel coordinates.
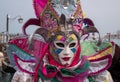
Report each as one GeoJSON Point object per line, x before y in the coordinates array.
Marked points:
{"type": "Point", "coordinates": [66, 49]}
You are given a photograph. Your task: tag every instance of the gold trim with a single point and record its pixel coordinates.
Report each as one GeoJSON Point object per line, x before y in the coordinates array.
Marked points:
{"type": "Point", "coordinates": [101, 54]}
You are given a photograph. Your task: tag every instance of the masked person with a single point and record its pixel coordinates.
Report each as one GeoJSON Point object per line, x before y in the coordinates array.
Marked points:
{"type": "Point", "coordinates": [53, 52]}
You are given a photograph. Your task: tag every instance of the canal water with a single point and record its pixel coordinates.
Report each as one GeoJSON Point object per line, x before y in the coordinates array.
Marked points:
{"type": "Point", "coordinates": [117, 41]}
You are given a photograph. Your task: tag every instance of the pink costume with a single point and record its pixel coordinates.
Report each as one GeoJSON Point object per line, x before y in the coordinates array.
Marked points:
{"type": "Point", "coordinates": [53, 52]}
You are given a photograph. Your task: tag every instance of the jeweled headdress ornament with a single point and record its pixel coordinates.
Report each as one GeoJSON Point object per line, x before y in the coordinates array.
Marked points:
{"type": "Point", "coordinates": [48, 13]}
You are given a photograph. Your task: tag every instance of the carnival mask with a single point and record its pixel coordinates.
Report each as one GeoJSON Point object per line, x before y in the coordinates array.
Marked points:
{"type": "Point", "coordinates": [65, 48]}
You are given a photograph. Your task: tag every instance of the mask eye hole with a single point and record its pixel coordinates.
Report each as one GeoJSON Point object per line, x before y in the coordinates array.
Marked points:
{"type": "Point", "coordinates": [60, 45]}
{"type": "Point", "coordinates": [72, 45]}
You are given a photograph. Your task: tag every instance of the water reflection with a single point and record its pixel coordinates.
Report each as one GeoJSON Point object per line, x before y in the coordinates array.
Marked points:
{"type": "Point", "coordinates": [117, 41]}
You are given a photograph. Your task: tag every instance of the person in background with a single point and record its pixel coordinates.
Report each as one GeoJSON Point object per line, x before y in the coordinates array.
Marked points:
{"type": "Point", "coordinates": [1, 59]}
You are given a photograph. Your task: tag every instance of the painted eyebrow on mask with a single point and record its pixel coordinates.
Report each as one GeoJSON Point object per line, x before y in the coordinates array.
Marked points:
{"type": "Point", "coordinates": [61, 38]}
{"type": "Point", "coordinates": [72, 37]}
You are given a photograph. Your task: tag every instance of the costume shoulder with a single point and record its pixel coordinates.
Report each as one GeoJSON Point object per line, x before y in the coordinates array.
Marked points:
{"type": "Point", "coordinates": [100, 57]}
{"type": "Point", "coordinates": [21, 54]}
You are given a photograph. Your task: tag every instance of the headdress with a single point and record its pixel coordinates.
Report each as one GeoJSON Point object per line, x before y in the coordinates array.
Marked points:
{"type": "Point", "coordinates": [49, 12]}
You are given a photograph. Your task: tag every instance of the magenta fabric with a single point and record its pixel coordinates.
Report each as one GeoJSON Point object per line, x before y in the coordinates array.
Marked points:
{"type": "Point", "coordinates": [22, 43]}
{"type": "Point", "coordinates": [76, 78]}
{"type": "Point", "coordinates": [88, 21]}
{"type": "Point", "coordinates": [44, 50]}
{"type": "Point", "coordinates": [19, 66]}
{"type": "Point", "coordinates": [39, 6]}
{"type": "Point", "coordinates": [51, 75]}
{"type": "Point", "coordinates": [32, 21]}
{"type": "Point", "coordinates": [109, 57]}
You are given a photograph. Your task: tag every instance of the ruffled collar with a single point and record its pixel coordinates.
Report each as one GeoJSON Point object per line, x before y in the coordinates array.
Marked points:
{"type": "Point", "coordinates": [78, 71]}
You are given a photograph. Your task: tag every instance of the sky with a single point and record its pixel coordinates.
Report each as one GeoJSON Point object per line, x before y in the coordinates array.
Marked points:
{"type": "Point", "coordinates": [104, 13]}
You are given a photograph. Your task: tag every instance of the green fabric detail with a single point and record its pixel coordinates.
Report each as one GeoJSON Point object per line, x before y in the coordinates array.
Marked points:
{"type": "Point", "coordinates": [90, 79]}
{"type": "Point", "coordinates": [81, 70]}
{"type": "Point", "coordinates": [55, 80]}
{"type": "Point", "coordinates": [49, 67]}
{"type": "Point", "coordinates": [41, 75]}
{"type": "Point", "coordinates": [66, 72]}
{"type": "Point", "coordinates": [91, 48]}
{"type": "Point", "coordinates": [77, 70]}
